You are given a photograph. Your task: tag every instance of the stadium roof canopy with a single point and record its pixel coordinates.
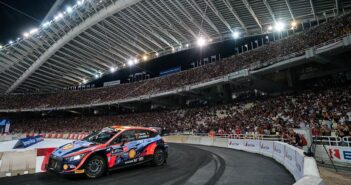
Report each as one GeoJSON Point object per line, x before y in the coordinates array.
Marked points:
{"type": "Point", "coordinates": [98, 36]}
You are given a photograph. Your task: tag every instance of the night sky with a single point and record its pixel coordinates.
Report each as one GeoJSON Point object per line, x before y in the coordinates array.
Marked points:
{"type": "Point", "coordinates": [13, 24]}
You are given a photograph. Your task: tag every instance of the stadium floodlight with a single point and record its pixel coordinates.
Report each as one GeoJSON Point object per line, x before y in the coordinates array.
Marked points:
{"type": "Point", "coordinates": [10, 42]}
{"type": "Point", "coordinates": [85, 81]}
{"type": "Point", "coordinates": [145, 57]}
{"type": "Point", "coordinates": [210, 40]}
{"type": "Point", "coordinates": [135, 61]}
{"type": "Point", "coordinates": [80, 2]}
{"type": "Point", "coordinates": [279, 26]}
{"type": "Point", "coordinates": [201, 42]}
{"type": "Point", "coordinates": [113, 69]}
{"type": "Point", "coordinates": [130, 62]}
{"type": "Point", "coordinates": [33, 31]}
{"type": "Point", "coordinates": [25, 34]}
{"type": "Point", "coordinates": [0, 46]}
{"type": "Point", "coordinates": [58, 16]}
{"type": "Point", "coordinates": [46, 24]}
{"type": "Point", "coordinates": [157, 54]}
{"type": "Point", "coordinates": [69, 9]}
{"type": "Point", "coordinates": [293, 25]}
{"type": "Point", "coordinates": [236, 35]}
{"type": "Point", "coordinates": [270, 28]}
{"type": "Point", "coordinates": [187, 45]}
{"type": "Point", "coordinates": [96, 76]}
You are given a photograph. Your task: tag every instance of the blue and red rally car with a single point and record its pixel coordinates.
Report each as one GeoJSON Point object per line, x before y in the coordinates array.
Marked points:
{"type": "Point", "coordinates": [111, 148]}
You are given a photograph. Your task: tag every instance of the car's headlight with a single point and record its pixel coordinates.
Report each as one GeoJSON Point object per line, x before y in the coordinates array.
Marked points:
{"type": "Point", "coordinates": [75, 157]}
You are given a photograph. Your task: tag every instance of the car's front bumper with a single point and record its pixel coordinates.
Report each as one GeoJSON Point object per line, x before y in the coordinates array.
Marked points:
{"type": "Point", "coordinates": [58, 166]}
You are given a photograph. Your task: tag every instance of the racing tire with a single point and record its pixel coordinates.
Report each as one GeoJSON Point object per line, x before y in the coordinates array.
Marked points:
{"type": "Point", "coordinates": [95, 167]}
{"type": "Point", "coordinates": [159, 157]}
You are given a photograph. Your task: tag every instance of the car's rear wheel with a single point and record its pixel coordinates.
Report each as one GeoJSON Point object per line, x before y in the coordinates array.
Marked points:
{"type": "Point", "coordinates": [95, 166]}
{"type": "Point", "coordinates": [159, 157]}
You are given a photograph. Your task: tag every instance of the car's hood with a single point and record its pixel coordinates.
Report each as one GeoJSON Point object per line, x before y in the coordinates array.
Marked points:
{"type": "Point", "coordinates": [75, 146]}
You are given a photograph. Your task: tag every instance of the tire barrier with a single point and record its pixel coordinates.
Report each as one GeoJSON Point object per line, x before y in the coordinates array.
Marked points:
{"type": "Point", "coordinates": [304, 169]}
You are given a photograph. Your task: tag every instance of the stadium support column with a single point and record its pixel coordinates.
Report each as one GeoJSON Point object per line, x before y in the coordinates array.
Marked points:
{"type": "Point", "coordinates": [290, 78]}
{"type": "Point", "coordinates": [181, 101]}
{"type": "Point", "coordinates": [224, 92]}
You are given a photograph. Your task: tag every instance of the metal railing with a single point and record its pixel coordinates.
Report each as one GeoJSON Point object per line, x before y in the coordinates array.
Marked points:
{"type": "Point", "coordinates": [332, 140]}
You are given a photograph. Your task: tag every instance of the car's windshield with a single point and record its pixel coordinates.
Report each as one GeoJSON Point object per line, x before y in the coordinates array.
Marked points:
{"type": "Point", "coordinates": [102, 136]}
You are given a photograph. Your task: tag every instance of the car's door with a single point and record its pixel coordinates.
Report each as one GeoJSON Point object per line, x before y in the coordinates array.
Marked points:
{"type": "Point", "coordinates": [123, 149]}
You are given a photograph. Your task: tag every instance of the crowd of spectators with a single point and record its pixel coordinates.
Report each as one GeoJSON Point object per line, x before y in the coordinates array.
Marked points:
{"type": "Point", "coordinates": [327, 111]}
{"type": "Point", "coordinates": [271, 52]}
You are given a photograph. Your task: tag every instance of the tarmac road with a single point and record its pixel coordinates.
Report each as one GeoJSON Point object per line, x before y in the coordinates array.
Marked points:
{"type": "Point", "coordinates": [186, 165]}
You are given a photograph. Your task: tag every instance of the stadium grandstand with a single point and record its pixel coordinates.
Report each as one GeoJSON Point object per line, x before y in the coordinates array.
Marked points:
{"type": "Point", "coordinates": [244, 71]}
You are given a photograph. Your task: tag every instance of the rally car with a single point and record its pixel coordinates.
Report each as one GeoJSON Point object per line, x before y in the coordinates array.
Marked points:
{"type": "Point", "coordinates": [111, 148]}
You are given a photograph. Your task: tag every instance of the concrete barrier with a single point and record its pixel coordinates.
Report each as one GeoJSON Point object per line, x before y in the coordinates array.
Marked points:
{"type": "Point", "coordinates": [220, 142]}
{"type": "Point", "coordinates": [304, 169]}
{"type": "Point", "coordinates": [18, 163]}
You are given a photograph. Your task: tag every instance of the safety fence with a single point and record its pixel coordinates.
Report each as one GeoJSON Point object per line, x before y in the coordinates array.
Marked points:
{"type": "Point", "coordinates": [303, 168]}
{"type": "Point", "coordinates": [333, 150]}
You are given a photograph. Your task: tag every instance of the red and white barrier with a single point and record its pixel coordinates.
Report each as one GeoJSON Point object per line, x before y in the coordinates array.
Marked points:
{"type": "Point", "coordinates": [43, 155]}
{"type": "Point", "coordinates": [73, 136]}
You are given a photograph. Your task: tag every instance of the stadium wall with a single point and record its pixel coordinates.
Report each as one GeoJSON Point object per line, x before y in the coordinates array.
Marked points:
{"type": "Point", "coordinates": [304, 169]}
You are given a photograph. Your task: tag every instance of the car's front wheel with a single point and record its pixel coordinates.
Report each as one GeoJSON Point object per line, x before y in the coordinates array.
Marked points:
{"type": "Point", "coordinates": [95, 166]}
{"type": "Point", "coordinates": [159, 157]}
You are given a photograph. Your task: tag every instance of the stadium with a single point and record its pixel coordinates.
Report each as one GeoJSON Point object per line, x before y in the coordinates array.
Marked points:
{"type": "Point", "coordinates": [242, 92]}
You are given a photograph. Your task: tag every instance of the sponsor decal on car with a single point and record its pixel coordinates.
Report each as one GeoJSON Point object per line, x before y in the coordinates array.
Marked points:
{"type": "Point", "coordinates": [132, 154]}
{"type": "Point", "coordinates": [67, 147]}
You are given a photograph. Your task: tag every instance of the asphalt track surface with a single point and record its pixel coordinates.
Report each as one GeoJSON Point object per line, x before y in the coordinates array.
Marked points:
{"type": "Point", "coordinates": [186, 165]}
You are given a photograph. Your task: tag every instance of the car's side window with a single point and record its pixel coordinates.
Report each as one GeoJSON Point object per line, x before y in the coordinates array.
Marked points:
{"type": "Point", "coordinates": [127, 136]}
{"type": "Point", "coordinates": [144, 134]}
{"type": "Point", "coordinates": [153, 134]}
